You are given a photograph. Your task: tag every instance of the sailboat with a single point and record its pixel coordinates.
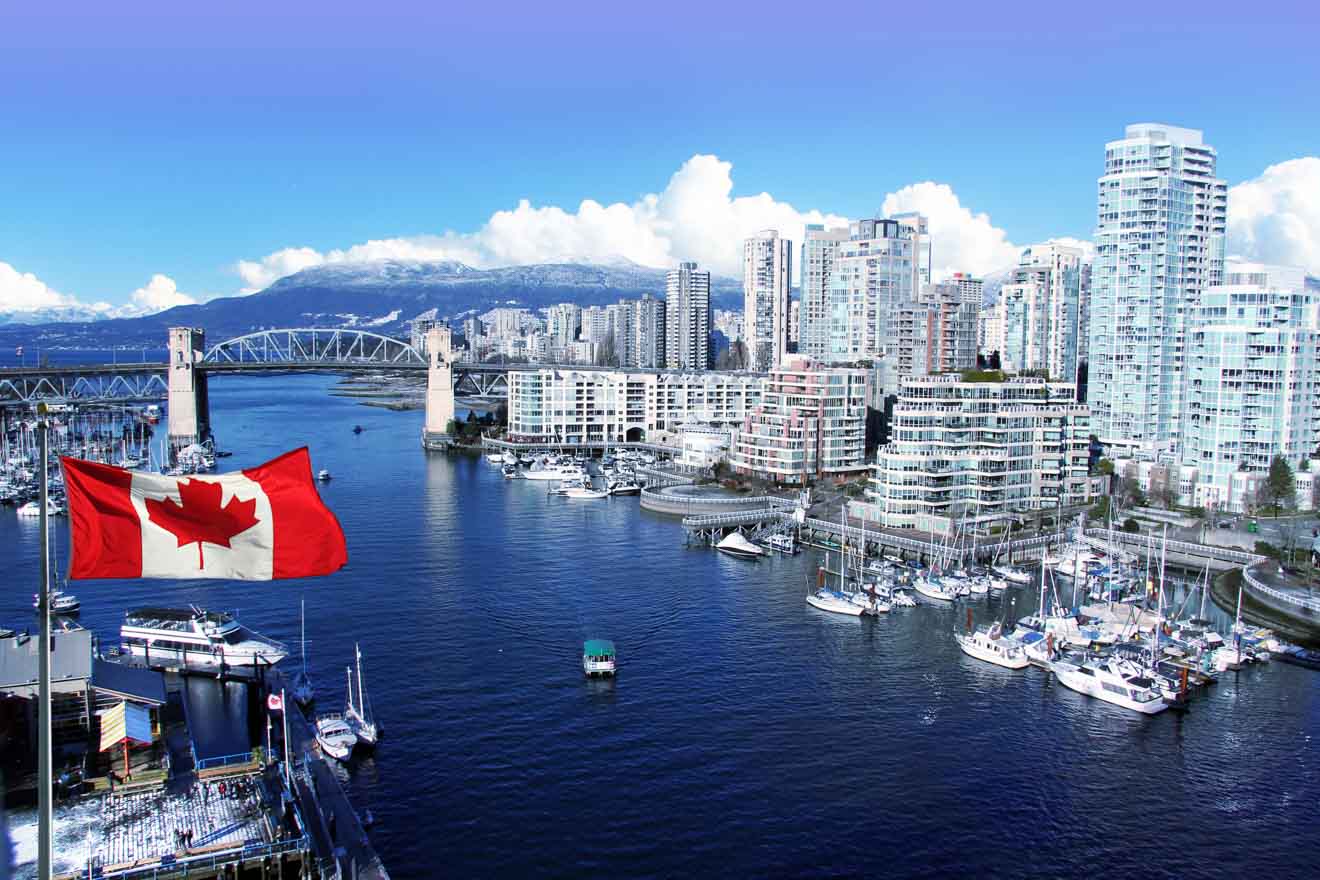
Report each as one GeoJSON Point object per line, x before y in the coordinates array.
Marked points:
{"type": "Point", "coordinates": [359, 715]}
{"type": "Point", "coordinates": [303, 693]}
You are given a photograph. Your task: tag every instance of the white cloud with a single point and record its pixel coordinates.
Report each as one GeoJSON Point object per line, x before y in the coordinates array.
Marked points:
{"type": "Point", "coordinates": [25, 292]}
{"type": "Point", "coordinates": [960, 240]}
{"type": "Point", "coordinates": [695, 217]}
{"type": "Point", "coordinates": [159, 294]}
{"type": "Point", "coordinates": [1276, 217]}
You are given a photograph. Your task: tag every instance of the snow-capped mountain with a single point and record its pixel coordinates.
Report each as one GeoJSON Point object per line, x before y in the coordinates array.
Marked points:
{"type": "Point", "coordinates": [383, 295]}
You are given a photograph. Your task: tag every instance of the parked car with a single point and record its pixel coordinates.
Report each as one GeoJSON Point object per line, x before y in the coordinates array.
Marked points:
{"type": "Point", "coordinates": [1225, 524]}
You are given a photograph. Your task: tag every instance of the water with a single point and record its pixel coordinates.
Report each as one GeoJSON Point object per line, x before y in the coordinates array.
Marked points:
{"type": "Point", "coordinates": [746, 734]}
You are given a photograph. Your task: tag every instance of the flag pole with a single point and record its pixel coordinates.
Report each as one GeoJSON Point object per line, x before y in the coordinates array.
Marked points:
{"type": "Point", "coordinates": [284, 719]}
{"type": "Point", "coordinates": [45, 781]}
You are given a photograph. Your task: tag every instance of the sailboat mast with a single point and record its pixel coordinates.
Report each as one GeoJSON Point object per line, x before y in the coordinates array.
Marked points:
{"type": "Point", "coordinates": [302, 621]}
{"type": "Point", "coordinates": [361, 701]}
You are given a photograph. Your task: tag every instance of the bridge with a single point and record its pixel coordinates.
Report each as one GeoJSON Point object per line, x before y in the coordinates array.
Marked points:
{"type": "Point", "coordinates": [182, 380]}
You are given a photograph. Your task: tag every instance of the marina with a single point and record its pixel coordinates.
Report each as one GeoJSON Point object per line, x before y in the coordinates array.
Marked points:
{"type": "Point", "coordinates": [511, 662]}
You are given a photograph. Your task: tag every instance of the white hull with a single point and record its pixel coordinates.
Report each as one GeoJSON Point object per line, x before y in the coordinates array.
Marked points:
{"type": "Point", "coordinates": [203, 657]}
{"type": "Point", "coordinates": [335, 737]}
{"type": "Point", "coordinates": [555, 474]}
{"type": "Point", "coordinates": [1093, 685]}
{"type": "Point", "coordinates": [935, 592]}
{"type": "Point", "coordinates": [589, 494]}
{"type": "Point", "coordinates": [1000, 652]}
{"type": "Point", "coordinates": [834, 603]}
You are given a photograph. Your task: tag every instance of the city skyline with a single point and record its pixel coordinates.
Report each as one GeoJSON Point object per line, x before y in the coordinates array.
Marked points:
{"type": "Point", "coordinates": [198, 170]}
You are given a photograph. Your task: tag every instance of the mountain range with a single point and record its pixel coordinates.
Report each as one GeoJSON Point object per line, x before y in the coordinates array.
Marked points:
{"type": "Point", "coordinates": [382, 295]}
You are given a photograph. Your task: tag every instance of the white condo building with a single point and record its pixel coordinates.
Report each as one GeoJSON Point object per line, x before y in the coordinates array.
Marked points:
{"type": "Point", "coordinates": [819, 248]}
{"type": "Point", "coordinates": [555, 406]}
{"type": "Point", "coordinates": [874, 273]}
{"type": "Point", "coordinates": [649, 333]}
{"type": "Point", "coordinates": [564, 322]}
{"type": "Point", "coordinates": [1159, 244]}
{"type": "Point", "coordinates": [1042, 312]}
{"type": "Point", "coordinates": [978, 454]}
{"type": "Point", "coordinates": [767, 273]}
{"type": "Point", "coordinates": [809, 425]}
{"type": "Point", "coordinates": [687, 318]}
{"type": "Point", "coordinates": [1252, 381]}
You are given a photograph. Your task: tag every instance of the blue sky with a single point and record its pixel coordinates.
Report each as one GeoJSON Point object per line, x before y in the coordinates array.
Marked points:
{"type": "Point", "coordinates": [159, 141]}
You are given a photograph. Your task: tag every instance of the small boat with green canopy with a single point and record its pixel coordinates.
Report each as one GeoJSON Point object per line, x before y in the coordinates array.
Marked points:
{"type": "Point", "coordinates": [598, 657]}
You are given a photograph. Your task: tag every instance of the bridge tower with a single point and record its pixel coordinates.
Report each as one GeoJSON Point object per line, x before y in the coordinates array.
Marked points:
{"type": "Point", "coordinates": [439, 389]}
{"type": "Point", "coordinates": [189, 409]}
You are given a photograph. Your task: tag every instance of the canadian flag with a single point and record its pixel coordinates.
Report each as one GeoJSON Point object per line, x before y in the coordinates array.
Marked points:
{"type": "Point", "coordinates": [262, 523]}
{"type": "Point", "coordinates": [275, 703]}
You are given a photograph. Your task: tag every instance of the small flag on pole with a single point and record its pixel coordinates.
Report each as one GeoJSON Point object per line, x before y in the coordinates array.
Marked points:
{"type": "Point", "coordinates": [275, 703]}
{"type": "Point", "coordinates": [263, 523]}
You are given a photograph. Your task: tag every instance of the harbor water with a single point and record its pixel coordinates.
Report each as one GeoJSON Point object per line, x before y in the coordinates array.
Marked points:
{"type": "Point", "coordinates": [746, 734]}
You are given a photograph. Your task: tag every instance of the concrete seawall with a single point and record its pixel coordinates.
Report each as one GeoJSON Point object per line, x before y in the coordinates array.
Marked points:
{"type": "Point", "coordinates": [687, 500]}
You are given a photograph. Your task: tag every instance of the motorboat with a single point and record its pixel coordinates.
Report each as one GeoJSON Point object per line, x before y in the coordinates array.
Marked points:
{"type": "Point", "coordinates": [358, 715]}
{"type": "Point", "coordinates": [735, 544]}
{"type": "Point", "coordinates": [834, 601]}
{"type": "Point", "coordinates": [1106, 682]}
{"type": "Point", "coordinates": [33, 508]}
{"type": "Point", "coordinates": [510, 471]}
{"type": "Point", "coordinates": [598, 658]}
{"type": "Point", "coordinates": [555, 472]}
{"type": "Point", "coordinates": [781, 543]}
{"type": "Point", "coordinates": [582, 489]}
{"type": "Point", "coordinates": [496, 457]}
{"type": "Point", "coordinates": [60, 602]}
{"type": "Point", "coordinates": [195, 639]}
{"type": "Point", "coordinates": [335, 736]}
{"type": "Point", "coordinates": [991, 646]}
{"type": "Point", "coordinates": [323, 475]}
{"type": "Point", "coordinates": [625, 487]}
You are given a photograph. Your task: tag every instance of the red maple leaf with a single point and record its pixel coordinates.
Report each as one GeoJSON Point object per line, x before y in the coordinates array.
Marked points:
{"type": "Point", "coordinates": [200, 518]}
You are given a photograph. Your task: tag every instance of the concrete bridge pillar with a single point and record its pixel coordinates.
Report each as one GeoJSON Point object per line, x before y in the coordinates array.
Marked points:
{"type": "Point", "coordinates": [439, 389]}
{"type": "Point", "coordinates": [189, 409]}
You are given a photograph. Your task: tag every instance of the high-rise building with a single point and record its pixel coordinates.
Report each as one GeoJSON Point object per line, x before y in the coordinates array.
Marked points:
{"type": "Point", "coordinates": [649, 333]}
{"type": "Point", "coordinates": [687, 318]}
{"type": "Point", "coordinates": [1253, 374]}
{"type": "Point", "coordinates": [564, 322]}
{"type": "Point", "coordinates": [819, 247]}
{"type": "Point", "coordinates": [794, 325]}
{"type": "Point", "coordinates": [595, 325]}
{"type": "Point", "coordinates": [1159, 243]}
{"type": "Point", "coordinates": [873, 274]}
{"type": "Point", "coordinates": [620, 335]}
{"type": "Point", "coordinates": [1042, 310]}
{"type": "Point", "coordinates": [968, 287]}
{"type": "Point", "coordinates": [767, 270]}
{"type": "Point", "coordinates": [975, 455]}
{"type": "Point", "coordinates": [921, 252]}
{"type": "Point", "coordinates": [810, 425]}
{"type": "Point", "coordinates": [936, 335]}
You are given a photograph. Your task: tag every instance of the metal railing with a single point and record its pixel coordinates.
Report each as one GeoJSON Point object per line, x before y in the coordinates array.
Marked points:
{"type": "Point", "coordinates": [1310, 603]}
{"type": "Point", "coordinates": [736, 518]}
{"type": "Point", "coordinates": [221, 760]}
{"type": "Point", "coordinates": [171, 866]}
{"type": "Point", "coordinates": [1223, 554]}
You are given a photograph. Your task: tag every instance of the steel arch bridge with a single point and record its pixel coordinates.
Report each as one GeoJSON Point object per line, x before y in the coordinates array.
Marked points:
{"type": "Point", "coordinates": [85, 385]}
{"type": "Point", "coordinates": [312, 348]}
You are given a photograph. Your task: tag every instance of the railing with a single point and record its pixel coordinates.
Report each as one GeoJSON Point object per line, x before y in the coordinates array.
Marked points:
{"type": "Point", "coordinates": [221, 761]}
{"type": "Point", "coordinates": [170, 866]}
{"type": "Point", "coordinates": [735, 518]}
{"type": "Point", "coordinates": [1310, 603]}
{"type": "Point", "coordinates": [1223, 554]}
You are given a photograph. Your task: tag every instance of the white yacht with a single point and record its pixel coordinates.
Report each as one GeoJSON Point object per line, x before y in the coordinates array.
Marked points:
{"type": "Point", "coordinates": [33, 508]}
{"type": "Point", "coordinates": [323, 475]}
{"type": "Point", "coordinates": [498, 458]}
{"type": "Point", "coordinates": [1012, 574]}
{"type": "Point", "coordinates": [581, 489]}
{"type": "Point", "coordinates": [195, 639]}
{"type": "Point", "coordinates": [782, 543]}
{"type": "Point", "coordinates": [991, 646]}
{"type": "Point", "coordinates": [936, 589]}
{"type": "Point", "coordinates": [60, 602]}
{"type": "Point", "coordinates": [833, 600]}
{"type": "Point", "coordinates": [735, 544]}
{"type": "Point", "coordinates": [557, 472]}
{"type": "Point", "coordinates": [335, 736]}
{"type": "Point", "coordinates": [1102, 681]}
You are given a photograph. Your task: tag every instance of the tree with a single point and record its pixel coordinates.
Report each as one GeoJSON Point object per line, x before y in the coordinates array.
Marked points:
{"type": "Point", "coordinates": [1100, 510]}
{"type": "Point", "coordinates": [732, 358]}
{"type": "Point", "coordinates": [1130, 493]}
{"type": "Point", "coordinates": [1280, 487]}
{"type": "Point", "coordinates": [1131, 525]}
{"type": "Point", "coordinates": [502, 414]}
{"type": "Point", "coordinates": [1105, 467]}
